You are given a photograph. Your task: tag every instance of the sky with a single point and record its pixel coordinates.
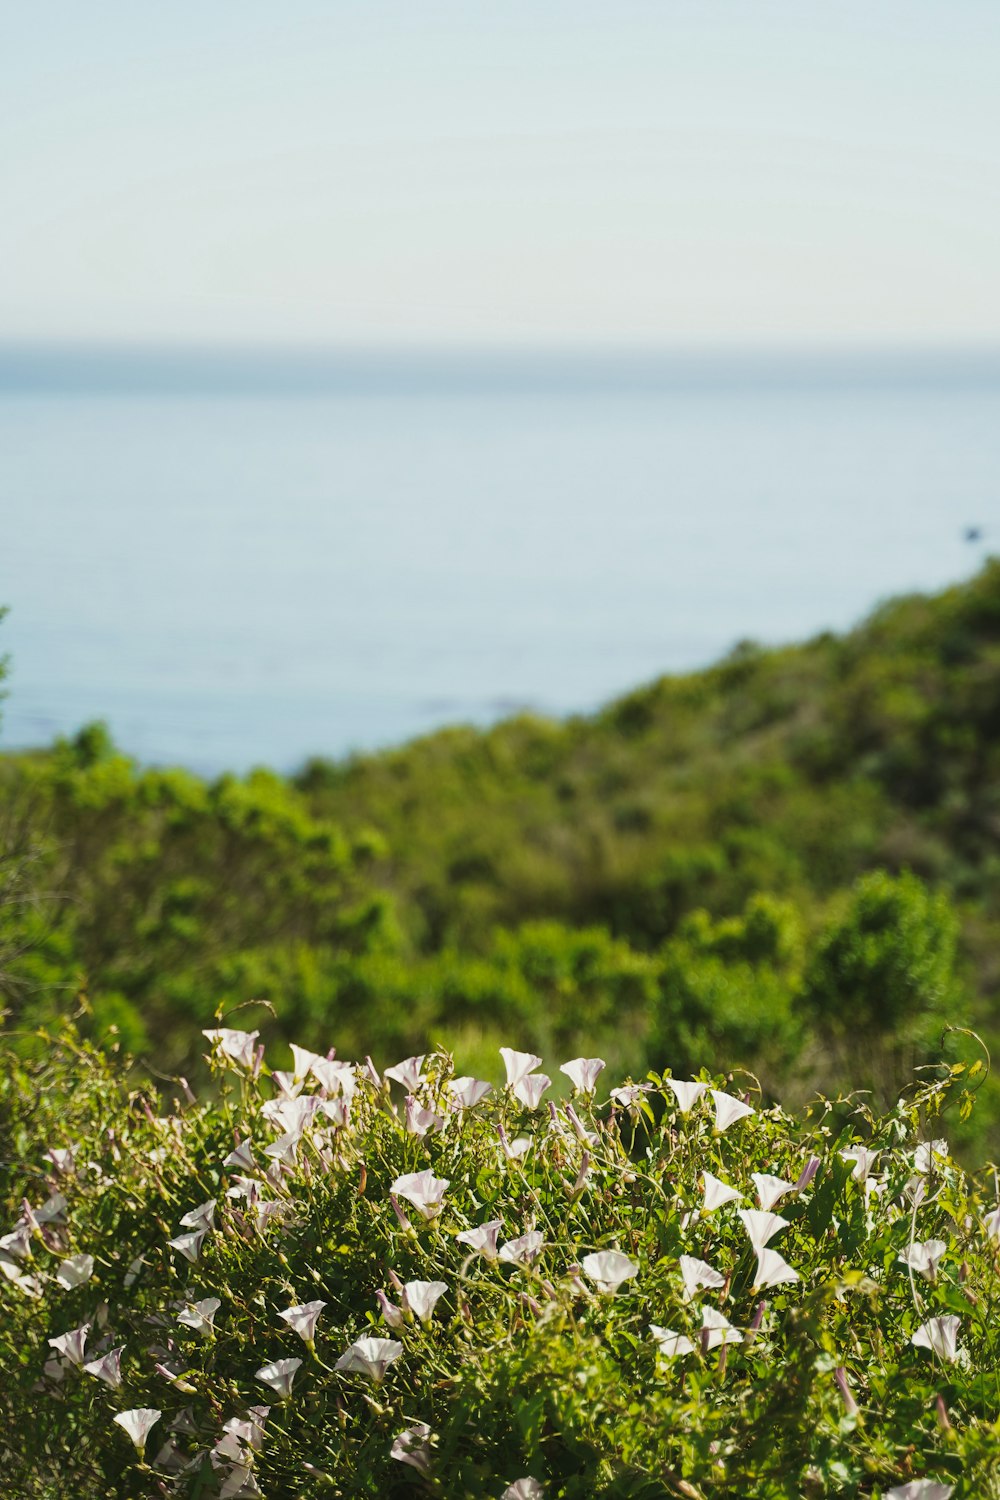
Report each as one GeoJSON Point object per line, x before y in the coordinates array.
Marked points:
{"type": "Point", "coordinates": [633, 173]}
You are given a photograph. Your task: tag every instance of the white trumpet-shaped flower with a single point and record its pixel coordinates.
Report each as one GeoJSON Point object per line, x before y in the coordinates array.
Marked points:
{"type": "Point", "coordinates": [72, 1345]}
{"type": "Point", "coordinates": [518, 1065]}
{"type": "Point", "coordinates": [409, 1073]}
{"type": "Point", "coordinates": [728, 1110]}
{"type": "Point", "coordinates": [371, 1357]}
{"type": "Point", "coordinates": [482, 1239]}
{"type": "Point", "coordinates": [241, 1158]}
{"type": "Point", "coordinates": [412, 1446]}
{"type": "Point", "coordinates": [279, 1375]}
{"type": "Point", "coordinates": [391, 1314]}
{"type": "Point", "coordinates": [583, 1072]}
{"type": "Point", "coordinates": [607, 1269]}
{"type": "Point", "coordinates": [108, 1368]}
{"type": "Point", "coordinates": [717, 1329]}
{"type": "Point", "coordinates": [773, 1270]}
{"type": "Point", "coordinates": [74, 1271]}
{"type": "Point", "coordinates": [200, 1315]}
{"type": "Point", "coordinates": [921, 1489]}
{"type": "Point", "coordinates": [761, 1225]}
{"type": "Point", "coordinates": [930, 1156]}
{"type": "Point", "coordinates": [420, 1120]}
{"type": "Point", "coordinates": [524, 1489]}
{"type": "Point", "coordinates": [924, 1257]}
{"type": "Point", "coordinates": [201, 1217]}
{"type": "Point", "coordinates": [717, 1193]}
{"type": "Point", "coordinates": [423, 1190]}
{"type": "Point", "coordinates": [940, 1335]}
{"type": "Point", "coordinates": [669, 1343]}
{"type": "Point", "coordinates": [686, 1092]}
{"type": "Point", "coordinates": [770, 1189]}
{"type": "Point", "coordinates": [697, 1274]}
{"type": "Point", "coordinates": [303, 1062]}
{"type": "Point", "coordinates": [523, 1250]}
{"type": "Point", "coordinates": [302, 1319]}
{"type": "Point", "coordinates": [531, 1088]}
{"type": "Point", "coordinates": [421, 1297]}
{"type": "Point", "coordinates": [862, 1159]}
{"type": "Point", "coordinates": [239, 1046]}
{"type": "Point", "coordinates": [137, 1423]}
{"type": "Point", "coordinates": [189, 1245]}
{"type": "Point", "coordinates": [467, 1092]}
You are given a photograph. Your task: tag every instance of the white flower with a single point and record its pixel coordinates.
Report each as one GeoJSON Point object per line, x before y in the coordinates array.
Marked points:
{"type": "Point", "coordinates": [241, 1484]}
{"type": "Point", "coordinates": [288, 1085]}
{"type": "Point", "coordinates": [531, 1088]}
{"type": "Point", "coordinates": [52, 1211]}
{"type": "Point", "coordinates": [279, 1375]}
{"type": "Point", "coordinates": [72, 1344]}
{"type": "Point", "coordinates": [518, 1065]}
{"type": "Point", "coordinates": [421, 1297]}
{"type": "Point", "coordinates": [412, 1446]}
{"type": "Point", "coordinates": [371, 1357]}
{"type": "Point", "coordinates": [770, 1189]}
{"type": "Point", "coordinates": [583, 1072]}
{"type": "Point", "coordinates": [420, 1120]}
{"type": "Point", "coordinates": [992, 1225]}
{"type": "Point", "coordinates": [607, 1269]}
{"type": "Point", "coordinates": [863, 1159]}
{"type": "Point", "coordinates": [409, 1073]}
{"type": "Point", "coordinates": [686, 1093]}
{"type": "Point", "coordinates": [524, 1489]}
{"type": "Point", "coordinates": [523, 1250]}
{"type": "Point", "coordinates": [75, 1270]}
{"type": "Point", "coordinates": [924, 1257]}
{"type": "Point", "coordinates": [137, 1423]}
{"type": "Point", "coordinates": [201, 1217]}
{"type": "Point", "coordinates": [669, 1343]}
{"type": "Point", "coordinates": [940, 1335]}
{"type": "Point", "coordinates": [303, 1062]}
{"type": "Point", "coordinates": [761, 1226]}
{"type": "Point", "coordinates": [728, 1110]}
{"type": "Point", "coordinates": [303, 1319]}
{"type": "Point", "coordinates": [242, 1157]}
{"type": "Point", "coordinates": [483, 1238]}
{"type": "Point", "coordinates": [390, 1313]}
{"type": "Point", "coordinates": [629, 1094]}
{"type": "Point", "coordinates": [18, 1242]}
{"type": "Point", "coordinates": [200, 1315]}
{"type": "Point", "coordinates": [773, 1270]}
{"type": "Point", "coordinates": [717, 1193]}
{"type": "Point", "coordinates": [285, 1148]}
{"type": "Point", "coordinates": [238, 1045]}
{"type": "Point", "coordinates": [189, 1245]}
{"type": "Point", "coordinates": [467, 1092]}
{"type": "Point", "coordinates": [930, 1155]}
{"type": "Point", "coordinates": [696, 1274]}
{"type": "Point", "coordinates": [717, 1329]}
{"type": "Point", "coordinates": [108, 1368]}
{"type": "Point", "coordinates": [335, 1077]}
{"type": "Point", "coordinates": [921, 1489]}
{"type": "Point", "coordinates": [248, 1431]}
{"type": "Point", "coordinates": [423, 1190]}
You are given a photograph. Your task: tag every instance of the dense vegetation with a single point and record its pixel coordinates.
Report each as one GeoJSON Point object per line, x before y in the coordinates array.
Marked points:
{"type": "Point", "coordinates": [326, 1282]}
{"type": "Point", "coordinates": [789, 862]}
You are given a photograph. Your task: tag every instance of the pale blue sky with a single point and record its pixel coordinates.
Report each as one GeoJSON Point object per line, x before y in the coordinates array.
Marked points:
{"type": "Point", "coordinates": [412, 172]}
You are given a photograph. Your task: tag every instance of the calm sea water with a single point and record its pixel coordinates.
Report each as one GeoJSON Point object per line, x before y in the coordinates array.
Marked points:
{"type": "Point", "coordinates": [237, 570]}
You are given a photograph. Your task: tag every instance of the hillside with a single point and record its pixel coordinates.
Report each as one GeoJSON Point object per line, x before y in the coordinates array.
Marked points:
{"type": "Point", "coordinates": [789, 858]}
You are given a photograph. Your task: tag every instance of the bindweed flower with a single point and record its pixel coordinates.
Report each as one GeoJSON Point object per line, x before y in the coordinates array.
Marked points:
{"type": "Point", "coordinates": [201, 1217]}
{"type": "Point", "coordinates": [773, 1270]}
{"type": "Point", "coordinates": [930, 1156]}
{"type": "Point", "coordinates": [412, 1446]}
{"type": "Point", "coordinates": [420, 1120]}
{"type": "Point", "coordinates": [863, 1161]}
{"type": "Point", "coordinates": [806, 1176]}
{"type": "Point", "coordinates": [249, 1430]}
{"type": "Point", "coordinates": [242, 1158]}
{"type": "Point", "coordinates": [669, 1343]}
{"type": "Point", "coordinates": [629, 1096]}
{"type": "Point", "coordinates": [303, 1062]}
{"type": "Point", "coordinates": [717, 1329]}
{"type": "Point", "coordinates": [18, 1242]}
{"type": "Point", "coordinates": [189, 1245]}
{"type": "Point", "coordinates": [74, 1271]}
{"type": "Point", "coordinates": [240, 1484]}
{"type": "Point", "coordinates": [518, 1065]}
{"type": "Point", "coordinates": [52, 1211]}
{"type": "Point", "coordinates": [921, 1489]}
{"type": "Point", "coordinates": [71, 1345]}
{"type": "Point", "coordinates": [583, 1072]}
{"type": "Point", "coordinates": [482, 1239]}
{"type": "Point", "coordinates": [409, 1073]}
{"type": "Point", "coordinates": [137, 1423]}
{"type": "Point", "coordinates": [524, 1489]}
{"type": "Point", "coordinates": [285, 1149]}
{"type": "Point", "coordinates": [279, 1376]}
{"type": "Point", "coordinates": [423, 1190]}
{"type": "Point", "coordinates": [717, 1193]}
{"type": "Point", "coordinates": [760, 1226]}
{"type": "Point", "coordinates": [992, 1225]}
{"type": "Point", "coordinates": [696, 1274]}
{"type": "Point", "coordinates": [108, 1368]}
{"type": "Point", "coordinates": [200, 1315]}
{"type": "Point", "coordinates": [924, 1257]}
{"type": "Point", "coordinates": [287, 1084]}
{"type": "Point", "coordinates": [371, 1357]}
{"type": "Point", "coordinates": [728, 1110]}
{"type": "Point", "coordinates": [337, 1078]}
{"type": "Point", "coordinates": [239, 1046]}
{"type": "Point", "coordinates": [940, 1335]}
{"type": "Point", "coordinates": [303, 1320]}
{"type": "Point", "coordinates": [421, 1297]}
{"type": "Point", "coordinates": [607, 1269]}
{"type": "Point", "coordinates": [770, 1189]}
{"type": "Point", "coordinates": [523, 1250]}
{"type": "Point", "coordinates": [686, 1092]}
{"type": "Point", "coordinates": [391, 1314]}
{"type": "Point", "coordinates": [531, 1088]}
{"type": "Point", "coordinates": [467, 1092]}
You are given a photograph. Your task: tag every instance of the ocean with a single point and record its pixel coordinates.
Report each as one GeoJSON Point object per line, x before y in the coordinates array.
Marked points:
{"type": "Point", "coordinates": [249, 559]}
